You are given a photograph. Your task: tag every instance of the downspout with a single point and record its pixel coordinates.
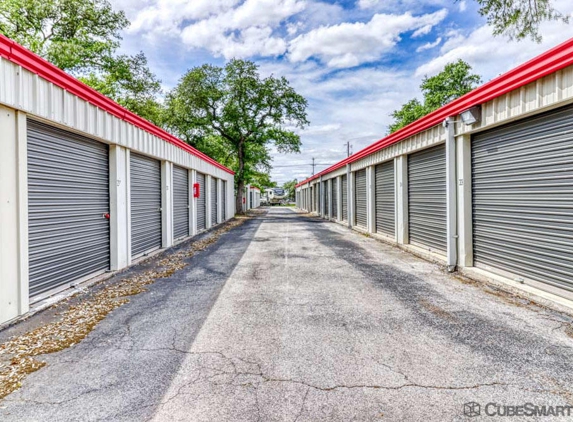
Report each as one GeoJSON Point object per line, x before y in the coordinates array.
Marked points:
{"type": "Point", "coordinates": [451, 195]}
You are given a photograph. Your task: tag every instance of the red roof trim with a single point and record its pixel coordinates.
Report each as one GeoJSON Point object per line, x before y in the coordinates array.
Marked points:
{"type": "Point", "coordinates": [46, 70]}
{"type": "Point", "coordinates": [549, 62]}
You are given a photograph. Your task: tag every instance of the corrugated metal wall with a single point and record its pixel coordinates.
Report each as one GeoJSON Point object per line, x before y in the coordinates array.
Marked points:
{"type": "Point", "coordinates": [427, 198]}
{"type": "Point", "coordinates": [224, 208]}
{"type": "Point", "coordinates": [334, 195]}
{"type": "Point", "coordinates": [214, 200]}
{"type": "Point", "coordinates": [523, 198]}
{"type": "Point", "coordinates": [145, 181]}
{"type": "Point", "coordinates": [360, 199]}
{"type": "Point", "coordinates": [326, 200]}
{"type": "Point", "coordinates": [68, 195]}
{"type": "Point", "coordinates": [385, 198]}
{"type": "Point", "coordinates": [344, 183]}
{"type": "Point", "coordinates": [180, 202]}
{"type": "Point", "coordinates": [201, 203]}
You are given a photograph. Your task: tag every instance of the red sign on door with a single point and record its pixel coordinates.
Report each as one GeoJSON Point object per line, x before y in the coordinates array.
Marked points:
{"type": "Point", "coordinates": [196, 190]}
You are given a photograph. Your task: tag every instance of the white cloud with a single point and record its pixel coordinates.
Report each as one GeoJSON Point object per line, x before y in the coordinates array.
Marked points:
{"type": "Point", "coordinates": [463, 6]}
{"type": "Point", "coordinates": [367, 4]}
{"type": "Point", "coordinates": [351, 44]}
{"type": "Point", "coordinates": [429, 45]}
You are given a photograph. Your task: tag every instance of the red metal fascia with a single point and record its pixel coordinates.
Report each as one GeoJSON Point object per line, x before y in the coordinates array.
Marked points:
{"type": "Point", "coordinates": [549, 62]}
{"type": "Point", "coordinates": [35, 64]}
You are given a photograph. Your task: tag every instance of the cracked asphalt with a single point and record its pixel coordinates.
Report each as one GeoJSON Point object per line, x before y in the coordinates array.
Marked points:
{"type": "Point", "coordinates": [292, 318]}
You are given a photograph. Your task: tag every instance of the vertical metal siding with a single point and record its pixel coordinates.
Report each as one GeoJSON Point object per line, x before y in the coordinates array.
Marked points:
{"type": "Point", "coordinates": [224, 204]}
{"type": "Point", "coordinates": [316, 197]}
{"type": "Point", "coordinates": [214, 199]}
{"type": "Point", "coordinates": [360, 198]}
{"type": "Point", "coordinates": [334, 196]}
{"type": "Point", "coordinates": [326, 199]}
{"type": "Point", "coordinates": [145, 177]}
{"type": "Point", "coordinates": [427, 198]}
{"type": "Point", "coordinates": [523, 198]}
{"type": "Point", "coordinates": [180, 202]}
{"type": "Point", "coordinates": [201, 203]}
{"type": "Point", "coordinates": [68, 195]}
{"type": "Point", "coordinates": [344, 182]}
{"type": "Point", "coordinates": [385, 201]}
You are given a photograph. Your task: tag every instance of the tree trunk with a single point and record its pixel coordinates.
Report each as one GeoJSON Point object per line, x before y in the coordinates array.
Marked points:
{"type": "Point", "coordinates": [240, 180]}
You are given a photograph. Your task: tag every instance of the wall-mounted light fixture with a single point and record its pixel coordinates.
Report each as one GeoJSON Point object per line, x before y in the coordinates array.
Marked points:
{"type": "Point", "coordinates": [472, 115]}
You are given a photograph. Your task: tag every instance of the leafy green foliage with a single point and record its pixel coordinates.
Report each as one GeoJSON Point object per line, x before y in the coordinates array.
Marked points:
{"type": "Point", "coordinates": [128, 80]}
{"type": "Point", "coordinates": [81, 37]}
{"type": "Point", "coordinates": [454, 81]}
{"type": "Point", "coordinates": [519, 19]}
{"type": "Point", "coordinates": [235, 116]}
{"type": "Point", "coordinates": [72, 34]}
{"type": "Point", "coordinates": [289, 187]}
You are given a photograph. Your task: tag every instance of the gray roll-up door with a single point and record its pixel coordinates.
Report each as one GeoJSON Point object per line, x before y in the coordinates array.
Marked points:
{"type": "Point", "coordinates": [145, 181]}
{"type": "Point", "coordinates": [214, 200]}
{"type": "Point", "coordinates": [224, 200]}
{"type": "Point", "coordinates": [201, 203]}
{"type": "Point", "coordinates": [180, 202]}
{"type": "Point", "coordinates": [315, 199]}
{"type": "Point", "coordinates": [427, 198]}
{"type": "Point", "coordinates": [360, 198]}
{"type": "Point", "coordinates": [334, 195]}
{"type": "Point", "coordinates": [68, 196]}
{"type": "Point", "coordinates": [326, 199]}
{"type": "Point", "coordinates": [385, 203]}
{"type": "Point", "coordinates": [344, 182]}
{"type": "Point", "coordinates": [523, 198]}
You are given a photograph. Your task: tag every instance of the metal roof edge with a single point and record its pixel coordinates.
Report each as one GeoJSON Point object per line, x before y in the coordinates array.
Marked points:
{"type": "Point", "coordinates": [30, 61]}
{"type": "Point", "coordinates": [542, 65]}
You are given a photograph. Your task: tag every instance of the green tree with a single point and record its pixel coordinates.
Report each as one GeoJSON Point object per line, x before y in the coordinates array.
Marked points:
{"type": "Point", "coordinates": [246, 113]}
{"type": "Point", "coordinates": [81, 37]}
{"type": "Point", "coordinates": [289, 187]}
{"type": "Point", "coordinates": [454, 81]}
{"type": "Point", "coordinates": [519, 19]}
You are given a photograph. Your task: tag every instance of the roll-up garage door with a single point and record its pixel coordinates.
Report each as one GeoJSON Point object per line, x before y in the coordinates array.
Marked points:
{"type": "Point", "coordinates": [326, 200]}
{"type": "Point", "coordinates": [201, 203]}
{"type": "Point", "coordinates": [180, 202]}
{"type": "Point", "coordinates": [344, 182]}
{"type": "Point", "coordinates": [214, 200]}
{"type": "Point", "coordinates": [145, 176]}
{"type": "Point", "coordinates": [224, 201]}
{"type": "Point", "coordinates": [523, 199]}
{"type": "Point", "coordinates": [68, 198]}
{"type": "Point", "coordinates": [315, 199]}
{"type": "Point", "coordinates": [427, 198]}
{"type": "Point", "coordinates": [334, 195]}
{"type": "Point", "coordinates": [360, 198]}
{"type": "Point", "coordinates": [385, 204]}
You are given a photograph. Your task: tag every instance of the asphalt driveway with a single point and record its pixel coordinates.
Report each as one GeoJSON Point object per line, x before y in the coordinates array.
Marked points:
{"type": "Point", "coordinates": [292, 318]}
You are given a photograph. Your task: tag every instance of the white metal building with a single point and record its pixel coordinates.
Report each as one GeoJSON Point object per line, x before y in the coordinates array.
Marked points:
{"type": "Point", "coordinates": [251, 197]}
{"type": "Point", "coordinates": [87, 186]}
{"type": "Point", "coordinates": [484, 184]}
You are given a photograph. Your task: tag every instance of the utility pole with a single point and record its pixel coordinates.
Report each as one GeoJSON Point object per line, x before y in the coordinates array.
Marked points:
{"type": "Point", "coordinates": [348, 149]}
{"type": "Point", "coordinates": [313, 166]}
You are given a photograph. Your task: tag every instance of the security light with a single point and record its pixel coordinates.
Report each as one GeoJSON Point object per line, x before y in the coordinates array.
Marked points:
{"type": "Point", "coordinates": [472, 115]}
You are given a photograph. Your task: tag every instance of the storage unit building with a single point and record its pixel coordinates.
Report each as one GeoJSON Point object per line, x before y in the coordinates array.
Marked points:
{"type": "Point", "coordinates": [68, 200]}
{"type": "Point", "coordinates": [385, 198]}
{"type": "Point", "coordinates": [201, 203]}
{"type": "Point", "coordinates": [86, 186]}
{"type": "Point", "coordinates": [360, 200]}
{"type": "Point", "coordinates": [344, 182]}
{"type": "Point", "coordinates": [427, 198]}
{"type": "Point", "coordinates": [224, 200]}
{"type": "Point", "coordinates": [145, 180]}
{"type": "Point", "coordinates": [180, 202]}
{"type": "Point", "coordinates": [522, 178]}
{"type": "Point", "coordinates": [483, 183]}
{"type": "Point", "coordinates": [214, 200]}
{"type": "Point", "coordinates": [334, 196]}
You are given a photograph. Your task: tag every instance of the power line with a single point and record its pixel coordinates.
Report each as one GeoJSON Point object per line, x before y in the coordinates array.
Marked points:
{"type": "Point", "coordinates": [301, 165]}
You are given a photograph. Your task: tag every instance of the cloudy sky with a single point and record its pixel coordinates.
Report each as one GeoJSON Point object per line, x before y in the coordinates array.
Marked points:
{"type": "Point", "coordinates": [354, 60]}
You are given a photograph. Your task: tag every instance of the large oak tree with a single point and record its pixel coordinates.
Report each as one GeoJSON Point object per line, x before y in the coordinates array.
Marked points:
{"type": "Point", "coordinates": [240, 113]}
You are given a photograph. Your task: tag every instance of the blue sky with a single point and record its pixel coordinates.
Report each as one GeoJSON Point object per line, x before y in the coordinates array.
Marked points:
{"type": "Point", "coordinates": [354, 60]}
